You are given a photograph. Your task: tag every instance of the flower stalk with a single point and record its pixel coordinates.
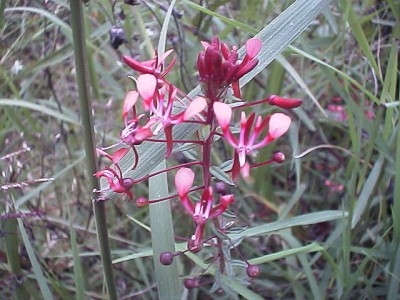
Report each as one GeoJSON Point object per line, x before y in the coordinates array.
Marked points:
{"type": "Point", "coordinates": [82, 79]}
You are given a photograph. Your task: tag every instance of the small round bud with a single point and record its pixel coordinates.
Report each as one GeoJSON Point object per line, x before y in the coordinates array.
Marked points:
{"type": "Point", "coordinates": [220, 187]}
{"type": "Point", "coordinates": [166, 258]}
{"type": "Point", "coordinates": [191, 283]}
{"type": "Point", "coordinates": [253, 271]}
{"type": "Point", "coordinates": [142, 202]}
{"type": "Point", "coordinates": [117, 36]}
{"type": "Point", "coordinates": [128, 183]}
{"type": "Point", "coordinates": [278, 157]}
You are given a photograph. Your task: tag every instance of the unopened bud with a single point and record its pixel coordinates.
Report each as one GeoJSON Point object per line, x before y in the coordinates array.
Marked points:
{"type": "Point", "coordinates": [253, 271]}
{"type": "Point", "coordinates": [278, 157]}
{"type": "Point", "coordinates": [286, 103]}
{"type": "Point", "coordinates": [191, 283]}
{"type": "Point", "coordinates": [166, 258]}
{"type": "Point", "coordinates": [142, 202]}
{"type": "Point", "coordinates": [117, 36]}
{"type": "Point", "coordinates": [220, 187]}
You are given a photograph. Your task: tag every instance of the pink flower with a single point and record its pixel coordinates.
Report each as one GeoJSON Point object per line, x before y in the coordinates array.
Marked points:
{"type": "Point", "coordinates": [278, 124]}
{"type": "Point", "coordinates": [162, 118]}
{"type": "Point", "coordinates": [220, 67]}
{"type": "Point", "coordinates": [117, 183]}
{"type": "Point", "coordinates": [202, 211]}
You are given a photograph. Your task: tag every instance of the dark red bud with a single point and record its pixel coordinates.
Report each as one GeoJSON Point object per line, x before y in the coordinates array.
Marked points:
{"type": "Point", "coordinates": [127, 183]}
{"type": "Point", "coordinates": [166, 258]}
{"type": "Point", "coordinates": [220, 187]}
{"type": "Point", "coordinates": [286, 103]}
{"type": "Point", "coordinates": [253, 271]}
{"type": "Point", "coordinates": [278, 157]}
{"type": "Point", "coordinates": [191, 283]}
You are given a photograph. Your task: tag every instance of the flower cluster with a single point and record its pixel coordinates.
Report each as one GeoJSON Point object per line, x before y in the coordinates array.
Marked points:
{"type": "Point", "coordinates": [150, 109]}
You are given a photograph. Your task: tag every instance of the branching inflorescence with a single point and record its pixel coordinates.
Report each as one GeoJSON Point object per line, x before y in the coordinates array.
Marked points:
{"type": "Point", "coordinates": [219, 72]}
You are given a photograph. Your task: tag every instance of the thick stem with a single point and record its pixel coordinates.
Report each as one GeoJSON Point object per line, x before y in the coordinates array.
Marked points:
{"type": "Point", "coordinates": [82, 73]}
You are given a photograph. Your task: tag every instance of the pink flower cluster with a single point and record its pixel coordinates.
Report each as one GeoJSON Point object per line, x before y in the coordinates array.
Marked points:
{"type": "Point", "coordinates": [149, 110]}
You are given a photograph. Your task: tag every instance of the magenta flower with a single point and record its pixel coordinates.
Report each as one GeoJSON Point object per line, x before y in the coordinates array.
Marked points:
{"type": "Point", "coordinates": [248, 141]}
{"type": "Point", "coordinates": [161, 109]}
{"type": "Point", "coordinates": [202, 211]}
{"type": "Point", "coordinates": [117, 183]}
{"type": "Point", "coordinates": [220, 67]}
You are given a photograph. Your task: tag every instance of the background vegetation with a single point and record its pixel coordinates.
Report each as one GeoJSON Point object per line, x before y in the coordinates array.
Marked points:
{"type": "Point", "coordinates": [325, 223]}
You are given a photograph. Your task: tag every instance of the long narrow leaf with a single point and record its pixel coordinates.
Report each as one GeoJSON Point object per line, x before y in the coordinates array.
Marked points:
{"type": "Point", "coordinates": [44, 288]}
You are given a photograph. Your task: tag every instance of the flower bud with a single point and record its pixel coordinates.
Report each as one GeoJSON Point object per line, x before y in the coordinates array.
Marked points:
{"type": "Point", "coordinates": [220, 187]}
{"type": "Point", "coordinates": [253, 271]}
{"type": "Point", "coordinates": [286, 103]}
{"type": "Point", "coordinates": [191, 283]}
{"type": "Point", "coordinates": [166, 258]}
{"type": "Point", "coordinates": [278, 157]}
{"type": "Point", "coordinates": [117, 36]}
{"type": "Point", "coordinates": [142, 202]}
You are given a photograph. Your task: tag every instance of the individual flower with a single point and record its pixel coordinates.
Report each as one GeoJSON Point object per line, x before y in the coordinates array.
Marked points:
{"type": "Point", "coordinates": [219, 67]}
{"type": "Point", "coordinates": [116, 181]}
{"type": "Point", "coordinates": [201, 211]}
{"type": "Point", "coordinates": [161, 112]}
{"type": "Point", "coordinates": [248, 140]}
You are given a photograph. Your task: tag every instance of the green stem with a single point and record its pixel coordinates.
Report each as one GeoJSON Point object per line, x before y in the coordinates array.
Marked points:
{"type": "Point", "coordinates": [82, 78]}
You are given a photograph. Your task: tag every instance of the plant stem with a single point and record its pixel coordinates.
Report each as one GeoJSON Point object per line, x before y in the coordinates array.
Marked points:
{"type": "Point", "coordinates": [82, 78]}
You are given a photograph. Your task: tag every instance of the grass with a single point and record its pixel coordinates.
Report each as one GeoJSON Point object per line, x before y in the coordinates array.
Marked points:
{"type": "Point", "coordinates": [324, 224]}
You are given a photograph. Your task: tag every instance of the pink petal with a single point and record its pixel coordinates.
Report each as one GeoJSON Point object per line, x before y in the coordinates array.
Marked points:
{"type": "Point", "coordinates": [253, 46]}
{"type": "Point", "coordinates": [146, 86]}
{"type": "Point", "coordinates": [205, 44]}
{"type": "Point", "coordinates": [129, 102]}
{"type": "Point", "coordinates": [245, 171]}
{"type": "Point", "coordinates": [223, 112]}
{"type": "Point", "coordinates": [119, 154]}
{"type": "Point", "coordinates": [184, 181]}
{"type": "Point", "coordinates": [104, 153]}
{"type": "Point", "coordinates": [164, 56]}
{"type": "Point", "coordinates": [136, 65]}
{"type": "Point", "coordinates": [278, 125]}
{"type": "Point", "coordinates": [197, 105]}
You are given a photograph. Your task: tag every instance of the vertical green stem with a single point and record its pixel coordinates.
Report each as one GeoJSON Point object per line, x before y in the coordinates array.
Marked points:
{"type": "Point", "coordinates": [82, 78]}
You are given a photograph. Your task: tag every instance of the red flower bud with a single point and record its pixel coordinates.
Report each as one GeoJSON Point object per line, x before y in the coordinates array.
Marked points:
{"type": "Point", "coordinates": [191, 283]}
{"type": "Point", "coordinates": [286, 103]}
{"type": "Point", "coordinates": [253, 271]}
{"type": "Point", "coordinates": [166, 258]}
{"type": "Point", "coordinates": [278, 157]}
{"type": "Point", "coordinates": [142, 202]}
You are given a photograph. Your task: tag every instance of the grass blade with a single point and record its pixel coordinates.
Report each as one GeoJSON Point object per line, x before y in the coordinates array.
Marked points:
{"type": "Point", "coordinates": [44, 288]}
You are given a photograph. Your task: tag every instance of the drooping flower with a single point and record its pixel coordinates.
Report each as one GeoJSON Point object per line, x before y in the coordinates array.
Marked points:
{"type": "Point", "coordinates": [201, 211]}
{"type": "Point", "coordinates": [219, 67]}
{"type": "Point", "coordinates": [116, 181]}
{"type": "Point", "coordinates": [248, 140]}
